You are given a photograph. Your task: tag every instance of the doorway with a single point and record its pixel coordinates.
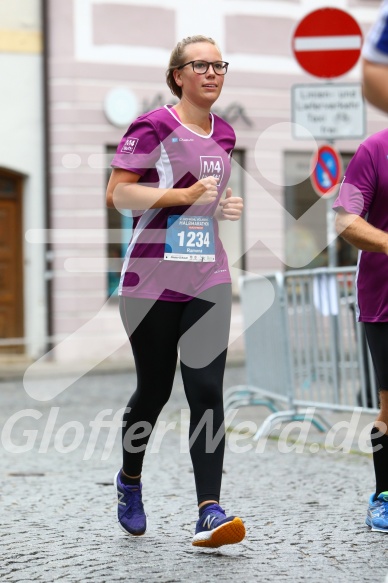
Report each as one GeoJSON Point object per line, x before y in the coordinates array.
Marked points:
{"type": "Point", "coordinates": [11, 263]}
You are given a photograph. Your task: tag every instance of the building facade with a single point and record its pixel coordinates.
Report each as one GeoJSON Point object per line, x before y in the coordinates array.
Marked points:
{"type": "Point", "coordinates": [23, 297]}
{"type": "Point", "coordinates": [106, 65]}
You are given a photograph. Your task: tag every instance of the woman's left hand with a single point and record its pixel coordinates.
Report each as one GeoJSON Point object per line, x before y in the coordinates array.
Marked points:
{"type": "Point", "coordinates": [231, 207]}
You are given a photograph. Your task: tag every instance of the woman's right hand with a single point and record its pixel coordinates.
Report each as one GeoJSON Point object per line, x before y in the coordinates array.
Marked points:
{"type": "Point", "coordinates": [203, 192]}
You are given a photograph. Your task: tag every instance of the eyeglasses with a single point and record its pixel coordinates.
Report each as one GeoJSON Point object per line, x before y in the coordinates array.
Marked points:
{"type": "Point", "coordinates": [201, 67]}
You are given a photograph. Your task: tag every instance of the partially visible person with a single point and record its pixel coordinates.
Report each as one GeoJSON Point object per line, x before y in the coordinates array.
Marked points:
{"type": "Point", "coordinates": [375, 61]}
{"type": "Point", "coordinates": [362, 220]}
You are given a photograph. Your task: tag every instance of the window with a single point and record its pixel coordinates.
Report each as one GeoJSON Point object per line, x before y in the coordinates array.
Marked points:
{"type": "Point", "coordinates": [232, 232]}
{"type": "Point", "coordinates": [298, 199]}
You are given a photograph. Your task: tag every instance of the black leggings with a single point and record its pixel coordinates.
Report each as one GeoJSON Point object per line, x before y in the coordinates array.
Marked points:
{"type": "Point", "coordinates": [377, 337]}
{"type": "Point", "coordinates": [200, 327]}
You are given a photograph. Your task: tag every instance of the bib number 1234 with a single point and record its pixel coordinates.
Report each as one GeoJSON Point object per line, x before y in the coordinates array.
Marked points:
{"type": "Point", "coordinates": [189, 239]}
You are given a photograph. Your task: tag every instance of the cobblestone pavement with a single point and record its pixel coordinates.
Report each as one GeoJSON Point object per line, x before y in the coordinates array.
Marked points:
{"type": "Point", "coordinates": [304, 512]}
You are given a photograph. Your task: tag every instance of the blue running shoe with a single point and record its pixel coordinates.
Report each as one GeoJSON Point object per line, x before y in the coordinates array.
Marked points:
{"type": "Point", "coordinates": [377, 515]}
{"type": "Point", "coordinates": [215, 529]}
{"type": "Point", "coordinates": [130, 511]}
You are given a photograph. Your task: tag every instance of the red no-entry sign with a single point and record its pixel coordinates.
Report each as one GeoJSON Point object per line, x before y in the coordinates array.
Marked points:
{"type": "Point", "coordinates": [327, 42]}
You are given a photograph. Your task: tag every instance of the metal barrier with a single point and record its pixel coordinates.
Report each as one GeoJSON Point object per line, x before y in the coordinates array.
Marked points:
{"type": "Point", "coordinates": [307, 350]}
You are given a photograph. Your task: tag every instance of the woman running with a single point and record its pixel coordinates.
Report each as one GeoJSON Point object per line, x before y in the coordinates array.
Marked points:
{"type": "Point", "coordinates": [171, 169]}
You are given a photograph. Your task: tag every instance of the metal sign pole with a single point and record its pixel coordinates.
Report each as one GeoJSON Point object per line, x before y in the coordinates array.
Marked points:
{"type": "Point", "coordinates": [330, 229]}
{"type": "Point", "coordinates": [332, 259]}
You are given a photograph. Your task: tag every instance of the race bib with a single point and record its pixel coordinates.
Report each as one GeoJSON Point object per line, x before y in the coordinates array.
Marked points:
{"type": "Point", "coordinates": [189, 239]}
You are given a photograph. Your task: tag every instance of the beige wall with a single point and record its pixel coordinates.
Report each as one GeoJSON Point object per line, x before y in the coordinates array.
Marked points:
{"type": "Point", "coordinates": [20, 26]}
{"type": "Point", "coordinates": [20, 14]}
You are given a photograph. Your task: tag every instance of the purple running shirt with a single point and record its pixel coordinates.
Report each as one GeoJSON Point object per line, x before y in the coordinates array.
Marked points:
{"type": "Point", "coordinates": [167, 154]}
{"type": "Point", "coordinates": [364, 192]}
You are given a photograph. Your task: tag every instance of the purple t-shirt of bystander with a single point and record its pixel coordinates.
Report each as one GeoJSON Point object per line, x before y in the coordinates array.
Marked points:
{"type": "Point", "coordinates": [364, 192]}
{"type": "Point", "coordinates": [167, 154]}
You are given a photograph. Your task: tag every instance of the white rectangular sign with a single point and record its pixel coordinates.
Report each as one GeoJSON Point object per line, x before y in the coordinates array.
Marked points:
{"type": "Point", "coordinates": [329, 111]}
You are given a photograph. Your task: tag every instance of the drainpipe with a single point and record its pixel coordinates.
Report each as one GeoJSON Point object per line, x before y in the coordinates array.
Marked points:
{"type": "Point", "coordinates": [47, 178]}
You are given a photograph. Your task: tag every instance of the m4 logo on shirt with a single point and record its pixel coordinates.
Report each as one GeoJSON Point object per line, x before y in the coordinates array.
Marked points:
{"type": "Point", "coordinates": [212, 166]}
{"type": "Point", "coordinates": [129, 145]}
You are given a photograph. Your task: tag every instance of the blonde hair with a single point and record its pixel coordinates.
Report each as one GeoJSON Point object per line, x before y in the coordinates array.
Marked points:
{"type": "Point", "coordinates": [177, 59]}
